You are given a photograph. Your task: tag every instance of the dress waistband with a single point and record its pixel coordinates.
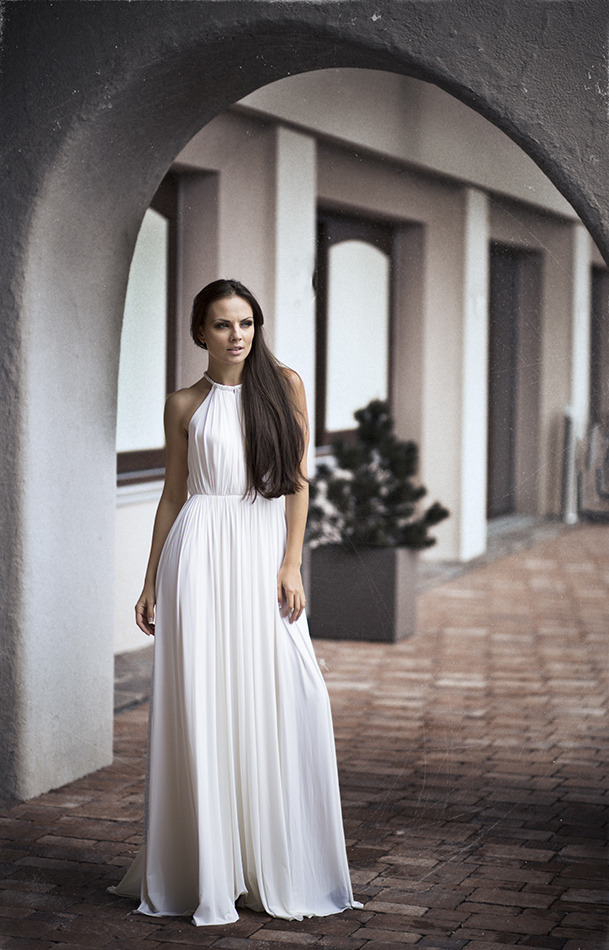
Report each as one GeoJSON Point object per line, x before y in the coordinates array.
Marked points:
{"type": "Point", "coordinates": [210, 494]}
{"type": "Point", "coordinates": [240, 495]}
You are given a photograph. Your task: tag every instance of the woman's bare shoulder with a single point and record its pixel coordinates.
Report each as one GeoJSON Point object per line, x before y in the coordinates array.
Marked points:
{"type": "Point", "coordinates": [293, 379]}
{"type": "Point", "coordinates": [298, 391]}
{"type": "Point", "coordinates": [181, 404]}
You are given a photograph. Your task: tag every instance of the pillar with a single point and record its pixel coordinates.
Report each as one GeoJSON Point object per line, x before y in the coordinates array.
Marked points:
{"type": "Point", "coordinates": [474, 375]}
{"type": "Point", "coordinates": [453, 374]}
{"type": "Point", "coordinates": [578, 409]}
{"type": "Point", "coordinates": [295, 237]}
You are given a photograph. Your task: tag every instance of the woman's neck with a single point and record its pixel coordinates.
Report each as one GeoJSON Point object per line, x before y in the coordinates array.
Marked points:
{"type": "Point", "coordinates": [225, 375]}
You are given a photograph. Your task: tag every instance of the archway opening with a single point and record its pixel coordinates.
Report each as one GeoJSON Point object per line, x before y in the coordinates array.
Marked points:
{"type": "Point", "coordinates": [80, 196]}
{"type": "Point", "coordinates": [323, 162]}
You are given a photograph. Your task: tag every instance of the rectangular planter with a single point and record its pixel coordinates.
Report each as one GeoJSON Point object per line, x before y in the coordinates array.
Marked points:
{"type": "Point", "coordinates": [365, 594]}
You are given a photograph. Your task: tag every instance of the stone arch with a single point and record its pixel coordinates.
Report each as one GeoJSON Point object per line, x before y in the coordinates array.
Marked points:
{"type": "Point", "coordinates": [98, 99]}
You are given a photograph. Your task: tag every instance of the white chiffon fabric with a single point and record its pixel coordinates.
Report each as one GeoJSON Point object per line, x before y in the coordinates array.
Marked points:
{"type": "Point", "coordinates": [242, 788]}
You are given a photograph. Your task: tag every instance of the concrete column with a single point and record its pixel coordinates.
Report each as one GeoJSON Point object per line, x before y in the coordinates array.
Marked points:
{"type": "Point", "coordinates": [474, 385]}
{"type": "Point", "coordinates": [295, 236]}
{"type": "Point", "coordinates": [454, 375]}
{"type": "Point", "coordinates": [580, 329]}
{"type": "Point", "coordinates": [578, 410]}
{"type": "Point", "coordinates": [563, 352]}
{"type": "Point", "coordinates": [408, 335]}
{"type": "Point", "coordinates": [57, 725]}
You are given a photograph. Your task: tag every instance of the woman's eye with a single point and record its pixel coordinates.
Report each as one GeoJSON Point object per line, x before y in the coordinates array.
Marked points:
{"type": "Point", "coordinates": [247, 323]}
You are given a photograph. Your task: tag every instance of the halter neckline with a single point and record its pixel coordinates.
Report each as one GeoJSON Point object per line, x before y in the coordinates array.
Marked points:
{"type": "Point", "coordinates": [222, 385]}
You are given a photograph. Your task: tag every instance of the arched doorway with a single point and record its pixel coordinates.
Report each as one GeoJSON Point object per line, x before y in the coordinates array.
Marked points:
{"type": "Point", "coordinates": [99, 98]}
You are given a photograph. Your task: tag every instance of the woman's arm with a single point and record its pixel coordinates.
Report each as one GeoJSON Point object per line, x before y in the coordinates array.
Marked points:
{"type": "Point", "coordinates": [290, 590]}
{"type": "Point", "coordinates": [173, 497]}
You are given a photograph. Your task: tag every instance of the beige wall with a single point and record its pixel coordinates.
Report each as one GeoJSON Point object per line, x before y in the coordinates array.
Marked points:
{"type": "Point", "coordinates": [553, 240]}
{"type": "Point", "coordinates": [411, 121]}
{"type": "Point", "coordinates": [430, 358]}
{"type": "Point", "coordinates": [241, 211]}
{"type": "Point", "coordinates": [248, 210]}
{"type": "Point", "coordinates": [197, 261]}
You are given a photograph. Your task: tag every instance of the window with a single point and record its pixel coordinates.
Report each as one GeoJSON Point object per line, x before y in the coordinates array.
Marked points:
{"type": "Point", "coordinates": [147, 358]}
{"type": "Point", "coordinates": [353, 320]}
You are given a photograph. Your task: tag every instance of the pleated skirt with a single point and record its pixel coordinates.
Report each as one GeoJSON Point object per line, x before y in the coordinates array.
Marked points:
{"type": "Point", "coordinates": [242, 800]}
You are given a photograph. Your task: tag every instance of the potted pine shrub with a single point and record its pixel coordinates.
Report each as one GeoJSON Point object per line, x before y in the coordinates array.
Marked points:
{"type": "Point", "coordinates": [365, 529]}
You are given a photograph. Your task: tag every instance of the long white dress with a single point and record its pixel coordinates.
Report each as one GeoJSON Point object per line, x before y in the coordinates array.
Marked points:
{"type": "Point", "coordinates": [242, 787]}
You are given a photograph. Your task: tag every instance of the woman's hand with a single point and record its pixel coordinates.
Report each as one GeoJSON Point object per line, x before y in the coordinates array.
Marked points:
{"type": "Point", "coordinates": [144, 611]}
{"type": "Point", "coordinates": [290, 592]}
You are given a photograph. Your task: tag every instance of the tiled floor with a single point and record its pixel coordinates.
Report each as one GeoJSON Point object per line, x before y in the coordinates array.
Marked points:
{"type": "Point", "coordinates": [473, 762]}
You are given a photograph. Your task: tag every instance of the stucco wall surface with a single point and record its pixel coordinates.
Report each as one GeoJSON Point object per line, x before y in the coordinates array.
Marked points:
{"type": "Point", "coordinates": [409, 121]}
{"type": "Point", "coordinates": [97, 98]}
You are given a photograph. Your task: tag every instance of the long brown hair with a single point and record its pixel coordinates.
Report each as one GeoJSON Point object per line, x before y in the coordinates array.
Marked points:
{"type": "Point", "coordinates": [274, 437]}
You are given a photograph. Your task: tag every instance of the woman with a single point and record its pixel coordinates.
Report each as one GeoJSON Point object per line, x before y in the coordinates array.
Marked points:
{"type": "Point", "coordinates": [242, 789]}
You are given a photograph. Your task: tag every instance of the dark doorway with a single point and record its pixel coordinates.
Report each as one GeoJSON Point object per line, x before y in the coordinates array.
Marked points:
{"type": "Point", "coordinates": [502, 381]}
{"type": "Point", "coordinates": [514, 356]}
{"type": "Point", "coordinates": [599, 346]}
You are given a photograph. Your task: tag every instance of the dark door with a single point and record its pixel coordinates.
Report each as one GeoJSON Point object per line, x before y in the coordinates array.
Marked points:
{"type": "Point", "coordinates": [599, 346]}
{"type": "Point", "coordinates": [502, 380]}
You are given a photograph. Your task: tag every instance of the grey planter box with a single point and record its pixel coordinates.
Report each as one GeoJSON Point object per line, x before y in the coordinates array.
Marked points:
{"type": "Point", "coordinates": [366, 594]}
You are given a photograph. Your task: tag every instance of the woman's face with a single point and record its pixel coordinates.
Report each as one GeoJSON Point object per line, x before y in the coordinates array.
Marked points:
{"type": "Point", "coordinates": [228, 330]}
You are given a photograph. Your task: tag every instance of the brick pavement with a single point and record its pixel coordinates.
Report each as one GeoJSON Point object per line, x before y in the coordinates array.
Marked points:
{"type": "Point", "coordinates": [474, 779]}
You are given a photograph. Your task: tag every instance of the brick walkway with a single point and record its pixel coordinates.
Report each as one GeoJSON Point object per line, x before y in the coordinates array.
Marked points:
{"type": "Point", "coordinates": [474, 778]}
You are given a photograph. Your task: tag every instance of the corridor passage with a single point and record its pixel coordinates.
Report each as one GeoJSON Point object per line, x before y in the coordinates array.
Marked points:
{"type": "Point", "coordinates": [474, 768]}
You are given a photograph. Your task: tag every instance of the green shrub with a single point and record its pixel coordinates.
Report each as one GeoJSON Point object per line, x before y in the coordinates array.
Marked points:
{"type": "Point", "coordinates": [369, 497]}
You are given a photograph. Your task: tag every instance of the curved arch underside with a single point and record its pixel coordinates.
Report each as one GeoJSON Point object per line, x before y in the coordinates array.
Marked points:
{"type": "Point", "coordinates": [98, 98]}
